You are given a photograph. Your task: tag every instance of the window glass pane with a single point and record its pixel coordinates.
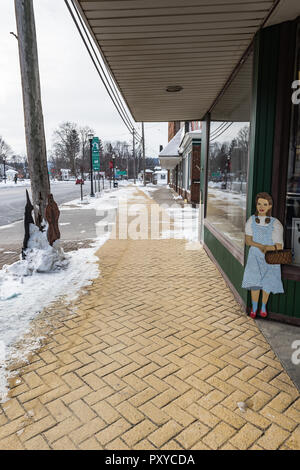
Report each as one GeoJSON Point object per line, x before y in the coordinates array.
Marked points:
{"type": "Point", "coordinates": [228, 158]}
{"type": "Point", "coordinates": [227, 179]}
{"type": "Point", "coordinates": [293, 183]}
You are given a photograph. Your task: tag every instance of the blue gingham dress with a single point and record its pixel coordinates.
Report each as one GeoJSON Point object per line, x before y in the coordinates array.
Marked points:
{"type": "Point", "coordinates": [258, 274]}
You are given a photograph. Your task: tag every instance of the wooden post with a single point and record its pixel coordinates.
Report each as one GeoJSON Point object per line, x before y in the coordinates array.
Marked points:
{"type": "Point", "coordinates": [33, 114]}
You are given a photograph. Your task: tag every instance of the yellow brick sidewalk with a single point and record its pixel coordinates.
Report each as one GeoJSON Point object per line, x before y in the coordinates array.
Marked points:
{"type": "Point", "coordinates": [156, 356]}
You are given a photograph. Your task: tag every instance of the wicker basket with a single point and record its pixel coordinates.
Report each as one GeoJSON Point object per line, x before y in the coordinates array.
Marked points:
{"type": "Point", "coordinates": [279, 257]}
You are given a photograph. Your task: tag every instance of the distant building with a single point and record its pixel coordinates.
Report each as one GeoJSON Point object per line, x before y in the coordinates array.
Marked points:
{"type": "Point", "coordinates": [148, 175]}
{"type": "Point", "coordinates": [160, 177]}
{"type": "Point", "coordinates": [10, 174]}
{"type": "Point", "coordinates": [181, 158]}
{"type": "Point", "coordinates": [65, 174]}
{"type": "Point", "coordinates": [7, 167]}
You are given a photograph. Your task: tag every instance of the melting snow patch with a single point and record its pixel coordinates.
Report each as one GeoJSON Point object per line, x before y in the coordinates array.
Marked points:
{"type": "Point", "coordinates": [30, 285]}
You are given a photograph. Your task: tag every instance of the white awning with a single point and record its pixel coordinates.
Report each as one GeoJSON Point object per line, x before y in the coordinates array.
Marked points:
{"type": "Point", "coordinates": [194, 44]}
{"type": "Point", "coordinates": [169, 157]}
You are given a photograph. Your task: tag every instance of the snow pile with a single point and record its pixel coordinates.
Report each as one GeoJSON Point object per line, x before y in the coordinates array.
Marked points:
{"type": "Point", "coordinates": [23, 293]}
{"type": "Point", "coordinates": [47, 274]}
{"type": "Point", "coordinates": [40, 258]}
{"type": "Point", "coordinates": [27, 287]}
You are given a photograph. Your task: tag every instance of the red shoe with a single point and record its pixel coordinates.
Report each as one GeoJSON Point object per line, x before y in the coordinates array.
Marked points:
{"type": "Point", "coordinates": [252, 314]}
{"type": "Point", "coordinates": [263, 314]}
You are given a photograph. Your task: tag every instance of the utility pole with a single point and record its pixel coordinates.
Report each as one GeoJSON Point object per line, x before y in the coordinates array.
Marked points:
{"type": "Point", "coordinates": [33, 113]}
{"type": "Point", "coordinates": [127, 159]}
{"type": "Point", "coordinates": [144, 158]}
{"type": "Point", "coordinates": [133, 153]}
{"type": "Point", "coordinates": [90, 137]}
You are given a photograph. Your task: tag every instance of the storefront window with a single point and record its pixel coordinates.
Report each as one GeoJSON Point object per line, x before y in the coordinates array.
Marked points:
{"type": "Point", "coordinates": [189, 159]}
{"type": "Point", "coordinates": [187, 171]}
{"type": "Point", "coordinates": [227, 179]}
{"type": "Point", "coordinates": [184, 173]}
{"type": "Point", "coordinates": [228, 160]}
{"type": "Point", "coordinates": [293, 183]}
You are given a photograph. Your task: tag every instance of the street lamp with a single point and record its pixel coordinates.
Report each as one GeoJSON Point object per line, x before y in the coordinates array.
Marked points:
{"type": "Point", "coordinates": [90, 137]}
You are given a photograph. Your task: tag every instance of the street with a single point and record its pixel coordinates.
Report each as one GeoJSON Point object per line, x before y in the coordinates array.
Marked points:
{"type": "Point", "coordinates": [13, 199]}
{"type": "Point", "coordinates": [77, 227]}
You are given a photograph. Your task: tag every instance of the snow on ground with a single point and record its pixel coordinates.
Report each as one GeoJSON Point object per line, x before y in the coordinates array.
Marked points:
{"type": "Point", "coordinates": [186, 219]}
{"type": "Point", "coordinates": [10, 184]}
{"type": "Point", "coordinates": [104, 198]}
{"type": "Point", "coordinates": [186, 223]}
{"type": "Point", "coordinates": [229, 196]}
{"type": "Point", "coordinates": [47, 274]}
{"type": "Point", "coordinates": [26, 183]}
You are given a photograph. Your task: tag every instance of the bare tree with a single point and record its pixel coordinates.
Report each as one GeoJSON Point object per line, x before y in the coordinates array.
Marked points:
{"type": "Point", "coordinates": [5, 150]}
{"type": "Point", "coordinates": [66, 145]}
{"type": "Point", "coordinates": [243, 139]}
{"type": "Point", "coordinates": [85, 146]}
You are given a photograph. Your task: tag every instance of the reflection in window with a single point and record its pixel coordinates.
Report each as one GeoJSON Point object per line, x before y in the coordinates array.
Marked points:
{"type": "Point", "coordinates": [228, 158]}
{"type": "Point", "coordinates": [293, 183]}
{"type": "Point", "coordinates": [187, 171]}
{"type": "Point", "coordinates": [227, 179]}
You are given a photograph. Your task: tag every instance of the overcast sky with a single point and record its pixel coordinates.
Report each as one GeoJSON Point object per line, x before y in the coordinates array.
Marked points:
{"type": "Point", "coordinates": [71, 87]}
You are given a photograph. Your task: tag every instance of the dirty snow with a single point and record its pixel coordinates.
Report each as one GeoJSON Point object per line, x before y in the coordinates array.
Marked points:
{"type": "Point", "coordinates": [47, 274]}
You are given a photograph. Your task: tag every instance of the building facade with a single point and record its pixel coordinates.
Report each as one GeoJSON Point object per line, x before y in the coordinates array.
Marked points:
{"type": "Point", "coordinates": [251, 144]}
{"type": "Point", "coordinates": [185, 148]}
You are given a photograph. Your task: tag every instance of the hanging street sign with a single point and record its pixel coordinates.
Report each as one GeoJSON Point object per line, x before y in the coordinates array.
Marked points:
{"type": "Point", "coordinates": [96, 154]}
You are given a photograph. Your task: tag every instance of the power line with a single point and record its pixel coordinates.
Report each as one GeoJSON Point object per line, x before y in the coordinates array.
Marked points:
{"type": "Point", "coordinates": [222, 132]}
{"type": "Point", "coordinates": [112, 84]}
{"type": "Point", "coordinates": [223, 124]}
{"type": "Point", "coordinates": [118, 105]}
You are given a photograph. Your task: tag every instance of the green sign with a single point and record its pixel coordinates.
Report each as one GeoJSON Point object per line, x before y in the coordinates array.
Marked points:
{"type": "Point", "coordinates": [96, 154]}
{"type": "Point", "coordinates": [121, 173]}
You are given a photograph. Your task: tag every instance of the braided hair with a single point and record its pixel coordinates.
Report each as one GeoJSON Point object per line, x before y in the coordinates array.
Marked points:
{"type": "Point", "coordinates": [268, 198]}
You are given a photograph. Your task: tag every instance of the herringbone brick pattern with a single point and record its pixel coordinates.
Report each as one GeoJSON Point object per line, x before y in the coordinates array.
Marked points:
{"type": "Point", "coordinates": [156, 356]}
